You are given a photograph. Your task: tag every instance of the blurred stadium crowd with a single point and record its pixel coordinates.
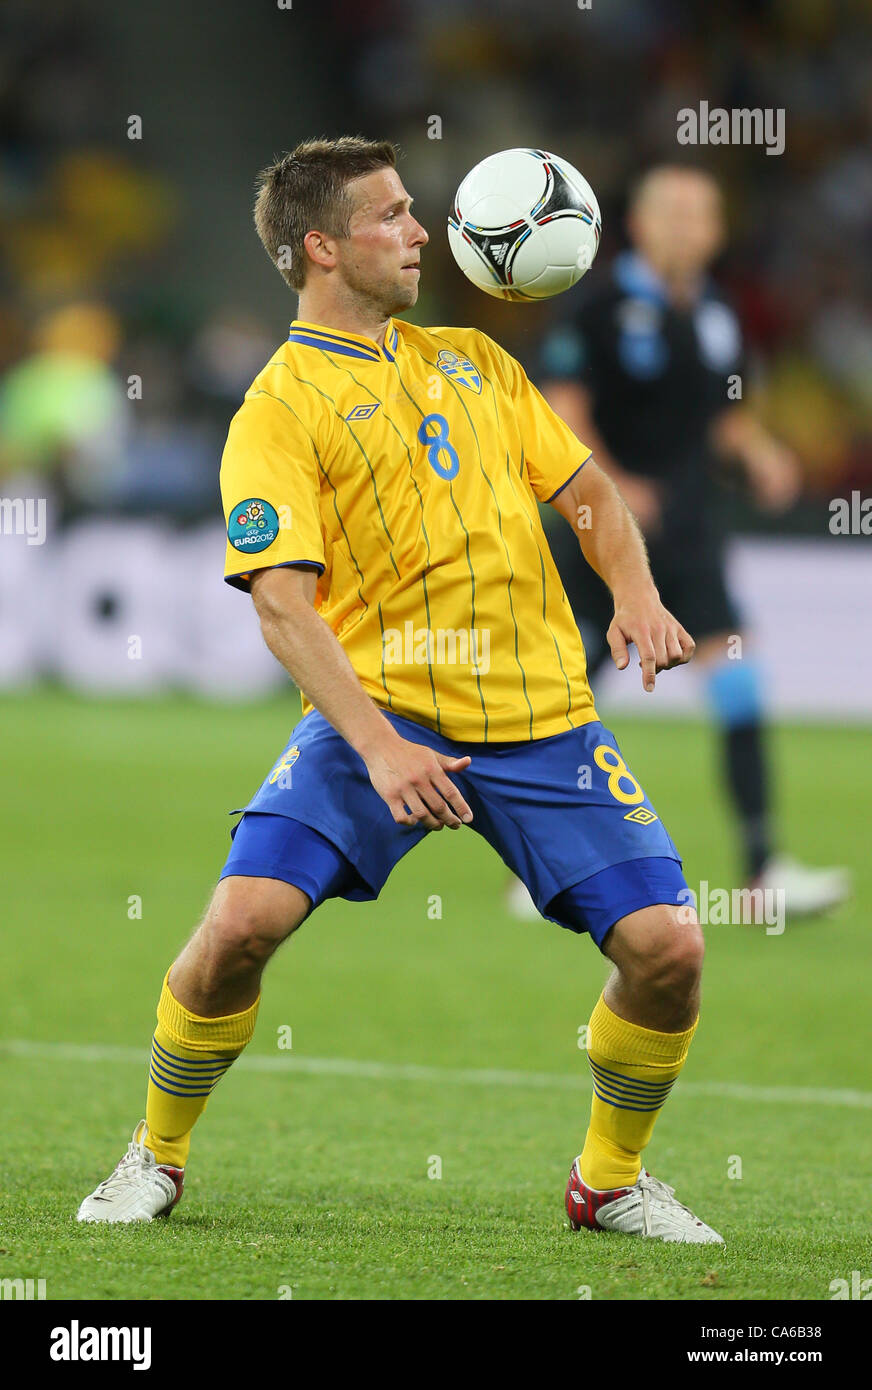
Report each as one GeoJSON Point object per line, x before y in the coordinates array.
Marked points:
{"type": "Point", "coordinates": [116, 390]}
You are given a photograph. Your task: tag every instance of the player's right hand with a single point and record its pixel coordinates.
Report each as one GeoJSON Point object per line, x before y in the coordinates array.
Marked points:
{"type": "Point", "coordinates": [412, 781]}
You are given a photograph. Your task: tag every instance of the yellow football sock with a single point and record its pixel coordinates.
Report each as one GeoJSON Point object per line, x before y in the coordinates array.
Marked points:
{"type": "Point", "coordinates": [189, 1055]}
{"type": "Point", "coordinates": [633, 1069]}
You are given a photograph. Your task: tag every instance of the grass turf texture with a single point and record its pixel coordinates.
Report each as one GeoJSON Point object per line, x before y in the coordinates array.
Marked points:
{"type": "Point", "coordinates": [319, 1182]}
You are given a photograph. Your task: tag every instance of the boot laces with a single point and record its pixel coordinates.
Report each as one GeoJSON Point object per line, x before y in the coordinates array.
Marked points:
{"type": "Point", "coordinates": [655, 1190]}
{"type": "Point", "coordinates": [133, 1166]}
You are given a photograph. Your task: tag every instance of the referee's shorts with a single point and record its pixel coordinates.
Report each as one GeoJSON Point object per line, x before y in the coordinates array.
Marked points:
{"type": "Point", "coordinates": [689, 573]}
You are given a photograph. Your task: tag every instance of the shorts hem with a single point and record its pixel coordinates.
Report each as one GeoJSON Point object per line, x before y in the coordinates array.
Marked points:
{"type": "Point", "coordinates": [350, 852]}
{"type": "Point", "coordinates": [257, 868]}
{"type": "Point", "coordinates": [597, 922]}
{"type": "Point", "coordinates": [599, 932]}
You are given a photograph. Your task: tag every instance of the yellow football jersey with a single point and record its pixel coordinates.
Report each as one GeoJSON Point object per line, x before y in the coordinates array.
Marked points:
{"type": "Point", "coordinates": [407, 476]}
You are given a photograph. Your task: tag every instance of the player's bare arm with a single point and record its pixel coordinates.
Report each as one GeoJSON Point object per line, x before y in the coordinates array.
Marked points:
{"type": "Point", "coordinates": [410, 778]}
{"type": "Point", "coordinates": [612, 544]}
{"type": "Point", "coordinates": [573, 403]}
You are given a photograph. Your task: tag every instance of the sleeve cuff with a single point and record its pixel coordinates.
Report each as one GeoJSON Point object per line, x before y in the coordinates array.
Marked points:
{"type": "Point", "coordinates": [243, 581]}
{"type": "Point", "coordinates": [572, 475]}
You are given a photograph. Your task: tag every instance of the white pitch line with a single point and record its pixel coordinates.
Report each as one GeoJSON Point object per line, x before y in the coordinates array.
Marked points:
{"type": "Point", "coordinates": [404, 1071]}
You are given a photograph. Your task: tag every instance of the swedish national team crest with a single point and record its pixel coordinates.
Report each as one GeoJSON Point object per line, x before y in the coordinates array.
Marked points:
{"type": "Point", "coordinates": [282, 770]}
{"type": "Point", "coordinates": [459, 369]}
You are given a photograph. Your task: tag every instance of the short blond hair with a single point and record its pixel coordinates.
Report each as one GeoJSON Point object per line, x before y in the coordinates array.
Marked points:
{"type": "Point", "coordinates": [306, 190]}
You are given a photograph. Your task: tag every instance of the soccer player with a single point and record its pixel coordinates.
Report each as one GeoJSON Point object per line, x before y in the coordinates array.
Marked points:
{"type": "Point", "coordinates": [380, 484]}
{"type": "Point", "coordinates": [643, 371]}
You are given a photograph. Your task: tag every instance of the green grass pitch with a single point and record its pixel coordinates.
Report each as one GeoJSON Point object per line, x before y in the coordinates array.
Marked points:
{"type": "Point", "coordinates": [310, 1171]}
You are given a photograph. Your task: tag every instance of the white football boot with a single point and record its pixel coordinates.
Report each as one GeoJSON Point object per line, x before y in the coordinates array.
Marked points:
{"type": "Point", "coordinates": [139, 1188]}
{"type": "Point", "coordinates": [647, 1209]}
{"type": "Point", "coordinates": [806, 891]}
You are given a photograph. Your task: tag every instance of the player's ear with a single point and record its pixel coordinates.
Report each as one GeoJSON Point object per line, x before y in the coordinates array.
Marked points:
{"type": "Point", "coordinates": [321, 249]}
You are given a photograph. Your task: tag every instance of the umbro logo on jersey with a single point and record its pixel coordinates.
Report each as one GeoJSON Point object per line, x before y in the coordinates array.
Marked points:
{"type": "Point", "coordinates": [363, 412]}
{"type": "Point", "coordinates": [460, 369]}
{"type": "Point", "coordinates": [641, 815]}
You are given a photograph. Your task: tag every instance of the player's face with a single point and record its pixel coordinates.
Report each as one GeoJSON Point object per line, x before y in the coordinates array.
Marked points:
{"type": "Point", "coordinates": [678, 225]}
{"type": "Point", "coordinates": [380, 257]}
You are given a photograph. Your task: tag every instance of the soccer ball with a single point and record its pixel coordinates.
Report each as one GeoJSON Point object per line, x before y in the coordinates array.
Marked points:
{"type": "Point", "coordinates": [525, 225]}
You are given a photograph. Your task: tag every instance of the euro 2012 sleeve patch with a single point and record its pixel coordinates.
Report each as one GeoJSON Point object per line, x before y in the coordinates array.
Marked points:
{"type": "Point", "coordinates": [253, 525]}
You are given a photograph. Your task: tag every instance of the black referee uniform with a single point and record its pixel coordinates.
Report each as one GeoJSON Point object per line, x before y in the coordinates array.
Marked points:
{"type": "Point", "coordinates": [657, 376]}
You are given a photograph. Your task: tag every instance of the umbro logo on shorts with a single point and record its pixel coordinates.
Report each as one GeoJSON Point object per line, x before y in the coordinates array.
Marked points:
{"type": "Point", "coordinates": [641, 815]}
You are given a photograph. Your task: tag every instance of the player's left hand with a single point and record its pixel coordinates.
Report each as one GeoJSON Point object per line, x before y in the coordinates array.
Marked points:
{"type": "Point", "coordinates": [658, 637]}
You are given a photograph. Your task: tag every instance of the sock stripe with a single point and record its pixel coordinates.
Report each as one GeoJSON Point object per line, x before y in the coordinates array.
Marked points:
{"type": "Point", "coordinates": [647, 1088]}
{"type": "Point", "coordinates": [180, 1095]}
{"type": "Point", "coordinates": [183, 1078]}
{"type": "Point", "coordinates": [201, 1078]}
{"type": "Point", "coordinates": [186, 1061]}
{"type": "Point", "coordinates": [179, 1069]}
{"type": "Point", "coordinates": [623, 1093]}
{"type": "Point", "coordinates": [634, 1102]}
{"type": "Point", "coordinates": [180, 1083]}
{"type": "Point", "coordinates": [617, 1105]}
{"type": "Point", "coordinates": [608, 1091]}
{"type": "Point", "coordinates": [184, 1075]}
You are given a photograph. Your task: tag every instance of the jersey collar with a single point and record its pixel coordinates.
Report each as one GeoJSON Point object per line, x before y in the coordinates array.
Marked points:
{"type": "Point", "coordinates": [346, 344]}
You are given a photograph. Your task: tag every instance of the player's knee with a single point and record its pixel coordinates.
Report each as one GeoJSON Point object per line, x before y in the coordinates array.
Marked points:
{"type": "Point", "coordinates": [243, 938]}
{"type": "Point", "coordinates": [247, 925]}
{"type": "Point", "coordinates": [672, 965]}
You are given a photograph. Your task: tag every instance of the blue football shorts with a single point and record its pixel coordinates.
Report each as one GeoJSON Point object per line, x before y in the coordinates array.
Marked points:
{"type": "Point", "coordinates": [565, 814]}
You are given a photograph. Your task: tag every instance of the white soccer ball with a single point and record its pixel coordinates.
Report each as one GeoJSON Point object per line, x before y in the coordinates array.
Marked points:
{"type": "Point", "coordinates": [525, 225]}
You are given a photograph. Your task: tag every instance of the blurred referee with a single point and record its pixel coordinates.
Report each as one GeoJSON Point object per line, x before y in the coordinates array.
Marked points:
{"type": "Point", "coordinates": [641, 373]}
